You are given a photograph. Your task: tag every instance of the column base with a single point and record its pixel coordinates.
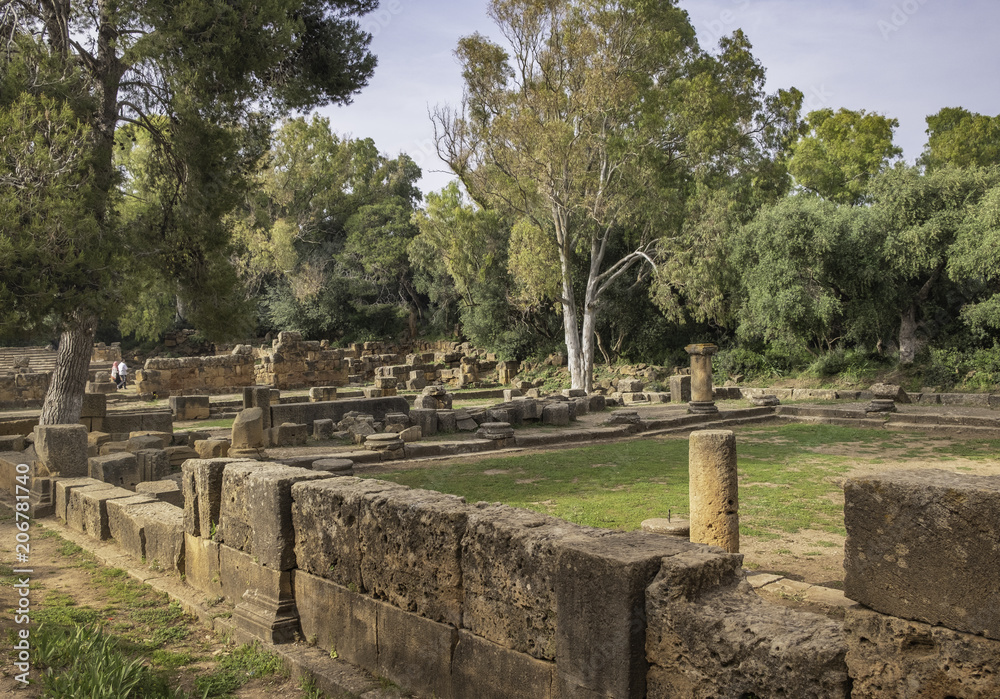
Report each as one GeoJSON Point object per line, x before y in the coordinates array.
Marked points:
{"type": "Point", "coordinates": [702, 407]}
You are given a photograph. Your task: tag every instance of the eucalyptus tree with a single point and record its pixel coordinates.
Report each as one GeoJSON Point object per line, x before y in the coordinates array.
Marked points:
{"type": "Point", "coordinates": [585, 133]}
{"type": "Point", "coordinates": [186, 74]}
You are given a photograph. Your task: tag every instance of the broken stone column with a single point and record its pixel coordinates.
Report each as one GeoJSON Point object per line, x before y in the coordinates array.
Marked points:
{"type": "Point", "coordinates": [701, 378]}
{"type": "Point", "coordinates": [714, 492]}
{"type": "Point", "coordinates": [248, 434]}
{"type": "Point", "coordinates": [260, 397]}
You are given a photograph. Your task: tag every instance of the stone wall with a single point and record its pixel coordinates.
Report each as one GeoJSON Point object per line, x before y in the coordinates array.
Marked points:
{"type": "Point", "coordinates": [293, 363]}
{"type": "Point", "coordinates": [452, 599]}
{"type": "Point", "coordinates": [196, 375]}
{"type": "Point", "coordinates": [23, 390]}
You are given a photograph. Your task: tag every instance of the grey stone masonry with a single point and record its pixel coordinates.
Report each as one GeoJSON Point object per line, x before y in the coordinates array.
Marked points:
{"type": "Point", "coordinates": [256, 513]}
{"type": "Point", "coordinates": [925, 546]}
{"type": "Point", "coordinates": [62, 449]}
{"type": "Point", "coordinates": [121, 469]}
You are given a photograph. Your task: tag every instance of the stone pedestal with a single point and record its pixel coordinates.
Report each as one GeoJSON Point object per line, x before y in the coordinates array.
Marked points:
{"type": "Point", "coordinates": [701, 378]}
{"type": "Point", "coordinates": [714, 492]}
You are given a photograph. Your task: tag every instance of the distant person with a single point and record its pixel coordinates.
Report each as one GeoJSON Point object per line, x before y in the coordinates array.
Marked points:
{"type": "Point", "coordinates": [114, 374]}
{"type": "Point", "coordinates": [122, 374]}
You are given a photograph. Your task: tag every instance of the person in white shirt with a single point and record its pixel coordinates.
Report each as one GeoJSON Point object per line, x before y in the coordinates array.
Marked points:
{"type": "Point", "coordinates": [122, 374]}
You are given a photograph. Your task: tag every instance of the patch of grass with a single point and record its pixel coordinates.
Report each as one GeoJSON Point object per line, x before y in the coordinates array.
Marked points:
{"type": "Point", "coordinates": [59, 609]}
{"type": "Point", "coordinates": [84, 662]}
{"type": "Point", "coordinates": [610, 485]}
{"type": "Point", "coordinates": [234, 670]}
{"type": "Point", "coordinates": [170, 660]}
{"type": "Point", "coordinates": [208, 424]}
{"type": "Point", "coordinates": [789, 479]}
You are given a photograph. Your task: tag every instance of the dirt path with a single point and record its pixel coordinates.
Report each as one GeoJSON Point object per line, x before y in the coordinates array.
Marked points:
{"type": "Point", "coordinates": [65, 585]}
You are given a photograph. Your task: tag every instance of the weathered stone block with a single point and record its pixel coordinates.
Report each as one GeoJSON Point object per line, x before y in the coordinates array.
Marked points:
{"type": "Point", "coordinates": [212, 448]}
{"type": "Point", "coordinates": [248, 430]}
{"type": "Point", "coordinates": [322, 429]}
{"type": "Point", "coordinates": [414, 652]}
{"type": "Point", "coordinates": [93, 509]}
{"type": "Point", "coordinates": [259, 397]}
{"type": "Point", "coordinates": [94, 405]}
{"type": "Point", "coordinates": [680, 388]}
{"type": "Point", "coordinates": [555, 414]}
{"type": "Point", "coordinates": [509, 572]}
{"type": "Point", "coordinates": [597, 403]}
{"type": "Point", "coordinates": [325, 517]}
{"type": "Point", "coordinates": [498, 672]}
{"type": "Point", "coordinates": [709, 634]}
{"type": "Point", "coordinates": [411, 434]}
{"type": "Point", "coordinates": [165, 491]}
{"type": "Point", "coordinates": [447, 422]}
{"type": "Point", "coordinates": [322, 393]}
{"type": "Point", "coordinates": [337, 619]}
{"type": "Point", "coordinates": [147, 441]}
{"type": "Point", "coordinates": [201, 565]}
{"type": "Point", "coordinates": [201, 485]}
{"type": "Point", "coordinates": [292, 435]}
{"type": "Point", "coordinates": [265, 605]}
{"type": "Point", "coordinates": [65, 486]}
{"type": "Point", "coordinates": [892, 658]}
{"type": "Point", "coordinates": [123, 526]}
{"type": "Point", "coordinates": [923, 545]}
{"type": "Point", "coordinates": [120, 469]}
{"type": "Point", "coordinates": [399, 565]}
{"type": "Point", "coordinates": [189, 407]}
{"type": "Point", "coordinates": [256, 512]}
{"type": "Point", "coordinates": [163, 527]}
{"type": "Point", "coordinates": [153, 464]}
{"type": "Point", "coordinates": [62, 450]}
{"type": "Point", "coordinates": [600, 589]}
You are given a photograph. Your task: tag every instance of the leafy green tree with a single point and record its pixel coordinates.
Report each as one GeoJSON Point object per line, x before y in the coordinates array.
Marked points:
{"type": "Point", "coordinates": [936, 229]}
{"type": "Point", "coordinates": [580, 135]}
{"type": "Point", "coordinates": [461, 262]}
{"type": "Point", "coordinates": [961, 138]}
{"type": "Point", "coordinates": [325, 234]}
{"type": "Point", "coordinates": [841, 153]}
{"type": "Point", "coordinates": [811, 274]}
{"type": "Point", "coordinates": [201, 66]}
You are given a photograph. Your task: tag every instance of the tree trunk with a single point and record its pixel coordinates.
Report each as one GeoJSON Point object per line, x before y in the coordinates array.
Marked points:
{"type": "Point", "coordinates": [64, 400]}
{"type": "Point", "coordinates": [909, 343]}
{"type": "Point", "coordinates": [587, 340]}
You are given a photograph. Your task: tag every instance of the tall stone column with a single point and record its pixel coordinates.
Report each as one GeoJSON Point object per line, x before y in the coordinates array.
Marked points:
{"type": "Point", "coordinates": [713, 489]}
{"type": "Point", "coordinates": [701, 378]}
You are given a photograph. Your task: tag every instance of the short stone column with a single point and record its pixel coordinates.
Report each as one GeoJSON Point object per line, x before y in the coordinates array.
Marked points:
{"type": "Point", "coordinates": [714, 492]}
{"type": "Point", "coordinates": [260, 397]}
{"type": "Point", "coordinates": [701, 378]}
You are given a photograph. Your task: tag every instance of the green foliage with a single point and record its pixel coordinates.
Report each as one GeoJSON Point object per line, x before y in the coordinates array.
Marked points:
{"type": "Point", "coordinates": [841, 153]}
{"type": "Point", "coordinates": [84, 663]}
{"type": "Point", "coordinates": [589, 134]}
{"type": "Point", "coordinates": [325, 237]}
{"type": "Point", "coordinates": [957, 137]}
{"type": "Point", "coordinates": [746, 363]}
{"type": "Point", "coordinates": [234, 670]}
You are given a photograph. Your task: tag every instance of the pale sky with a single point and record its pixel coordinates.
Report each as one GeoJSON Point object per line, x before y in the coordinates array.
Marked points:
{"type": "Point", "coordinates": [901, 58]}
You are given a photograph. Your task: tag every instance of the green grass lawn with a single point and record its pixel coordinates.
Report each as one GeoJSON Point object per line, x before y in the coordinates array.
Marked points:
{"type": "Point", "coordinates": [791, 476]}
